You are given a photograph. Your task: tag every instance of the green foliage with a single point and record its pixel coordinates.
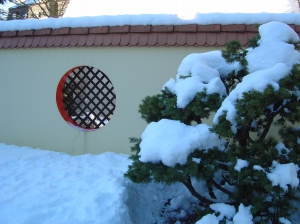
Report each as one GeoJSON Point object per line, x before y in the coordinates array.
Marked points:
{"type": "Point", "coordinates": [234, 52]}
{"type": "Point", "coordinates": [253, 42]}
{"type": "Point", "coordinates": [256, 113]}
{"type": "Point", "coordinates": [164, 105]}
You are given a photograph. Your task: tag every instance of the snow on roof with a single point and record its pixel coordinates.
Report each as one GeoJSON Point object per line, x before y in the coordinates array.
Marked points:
{"type": "Point", "coordinates": [185, 9]}
{"type": "Point", "coordinates": [94, 13]}
{"type": "Point", "coordinates": [151, 19]}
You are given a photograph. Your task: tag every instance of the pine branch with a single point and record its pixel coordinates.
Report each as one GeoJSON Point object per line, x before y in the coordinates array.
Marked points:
{"type": "Point", "coordinates": [219, 187]}
{"type": "Point", "coordinates": [189, 186]}
{"type": "Point", "coordinates": [270, 118]}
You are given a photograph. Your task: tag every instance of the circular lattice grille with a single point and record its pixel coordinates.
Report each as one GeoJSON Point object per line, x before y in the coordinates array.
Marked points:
{"type": "Point", "coordinates": [88, 97]}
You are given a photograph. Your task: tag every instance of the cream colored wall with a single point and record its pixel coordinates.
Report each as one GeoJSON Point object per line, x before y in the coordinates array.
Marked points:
{"type": "Point", "coordinates": [29, 78]}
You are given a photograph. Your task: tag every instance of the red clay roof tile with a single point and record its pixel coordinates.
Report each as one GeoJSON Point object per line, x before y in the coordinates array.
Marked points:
{"type": "Point", "coordinates": [60, 31]}
{"type": "Point", "coordinates": [231, 36]}
{"type": "Point", "coordinates": [2, 42]}
{"type": "Point", "coordinates": [36, 41]}
{"type": "Point", "coordinates": [186, 28]}
{"type": "Point", "coordinates": [21, 42]}
{"type": "Point", "coordinates": [292, 26]}
{"type": "Point", "coordinates": [7, 43]}
{"type": "Point", "coordinates": [58, 41]}
{"type": "Point", "coordinates": [43, 41]}
{"type": "Point", "coordinates": [162, 29]}
{"type": "Point", "coordinates": [251, 35]}
{"type": "Point", "coordinates": [28, 42]}
{"type": "Point", "coordinates": [162, 39]}
{"type": "Point", "coordinates": [143, 39]}
{"type": "Point", "coordinates": [14, 42]}
{"type": "Point", "coordinates": [181, 39]}
{"type": "Point", "coordinates": [209, 28]}
{"type": "Point", "coordinates": [119, 29]}
{"type": "Point", "coordinates": [242, 38]}
{"type": "Point", "coordinates": [211, 39]}
{"type": "Point", "coordinates": [152, 39]}
{"type": "Point", "coordinates": [66, 41]}
{"type": "Point", "coordinates": [101, 29]}
{"type": "Point", "coordinates": [140, 29]}
{"type": "Point", "coordinates": [25, 33]}
{"type": "Point", "coordinates": [50, 41]}
{"type": "Point", "coordinates": [251, 28]}
{"type": "Point", "coordinates": [107, 39]}
{"type": "Point", "coordinates": [116, 39]}
{"type": "Point", "coordinates": [79, 30]}
{"type": "Point", "coordinates": [163, 35]}
{"type": "Point", "coordinates": [201, 39]}
{"type": "Point", "coordinates": [125, 39]}
{"type": "Point", "coordinates": [9, 34]}
{"type": "Point", "coordinates": [134, 39]}
{"type": "Point", "coordinates": [42, 32]}
{"type": "Point", "coordinates": [233, 28]}
{"type": "Point", "coordinates": [74, 40]}
{"type": "Point", "coordinates": [90, 40]}
{"type": "Point", "coordinates": [172, 39]}
{"type": "Point", "coordinates": [221, 38]}
{"type": "Point", "coordinates": [98, 39]}
{"type": "Point", "coordinates": [82, 40]}
{"type": "Point", "coordinates": [191, 39]}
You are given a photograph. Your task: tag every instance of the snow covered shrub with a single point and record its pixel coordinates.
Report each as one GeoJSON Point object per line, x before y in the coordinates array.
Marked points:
{"type": "Point", "coordinates": [248, 159]}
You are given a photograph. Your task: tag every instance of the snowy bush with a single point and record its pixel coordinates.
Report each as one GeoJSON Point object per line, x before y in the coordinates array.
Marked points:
{"type": "Point", "coordinates": [243, 168]}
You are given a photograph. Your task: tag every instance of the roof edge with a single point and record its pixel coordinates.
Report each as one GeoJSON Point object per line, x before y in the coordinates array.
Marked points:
{"type": "Point", "coordinates": [148, 35]}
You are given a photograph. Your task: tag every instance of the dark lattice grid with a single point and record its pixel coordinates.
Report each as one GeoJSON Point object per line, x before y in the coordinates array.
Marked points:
{"type": "Point", "coordinates": [88, 97]}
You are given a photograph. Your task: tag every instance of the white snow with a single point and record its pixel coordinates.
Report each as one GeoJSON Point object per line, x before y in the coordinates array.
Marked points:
{"type": "Point", "coordinates": [208, 219]}
{"type": "Point", "coordinates": [198, 72]}
{"type": "Point", "coordinates": [264, 69]}
{"type": "Point", "coordinates": [274, 41]}
{"type": "Point", "coordinates": [185, 9]}
{"type": "Point", "coordinates": [171, 141]}
{"type": "Point", "coordinates": [150, 19]}
{"type": "Point", "coordinates": [186, 89]}
{"type": "Point", "coordinates": [283, 175]}
{"type": "Point", "coordinates": [224, 210]}
{"type": "Point", "coordinates": [284, 221]}
{"type": "Point", "coordinates": [282, 150]}
{"type": "Point", "coordinates": [258, 80]}
{"type": "Point", "coordinates": [240, 164]}
{"type": "Point", "coordinates": [39, 186]}
{"type": "Point", "coordinates": [243, 216]}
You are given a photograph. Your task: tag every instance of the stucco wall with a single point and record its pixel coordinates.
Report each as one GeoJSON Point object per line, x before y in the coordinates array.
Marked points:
{"type": "Point", "coordinates": [29, 78]}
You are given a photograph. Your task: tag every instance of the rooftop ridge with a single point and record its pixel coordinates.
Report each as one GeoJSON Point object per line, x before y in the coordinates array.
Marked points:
{"type": "Point", "coordinates": [139, 35]}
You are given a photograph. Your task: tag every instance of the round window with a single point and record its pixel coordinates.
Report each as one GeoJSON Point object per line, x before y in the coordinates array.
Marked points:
{"type": "Point", "coordinates": [86, 98]}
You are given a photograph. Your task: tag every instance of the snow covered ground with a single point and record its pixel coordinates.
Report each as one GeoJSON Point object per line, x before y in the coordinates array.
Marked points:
{"type": "Point", "coordinates": [45, 187]}
{"type": "Point", "coordinates": [40, 186]}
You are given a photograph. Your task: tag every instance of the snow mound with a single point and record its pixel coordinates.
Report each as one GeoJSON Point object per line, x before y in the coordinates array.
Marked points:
{"type": "Point", "coordinates": [39, 186]}
{"type": "Point", "coordinates": [171, 141]}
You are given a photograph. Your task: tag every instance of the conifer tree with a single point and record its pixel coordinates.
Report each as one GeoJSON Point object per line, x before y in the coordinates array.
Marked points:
{"type": "Point", "coordinates": [255, 164]}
